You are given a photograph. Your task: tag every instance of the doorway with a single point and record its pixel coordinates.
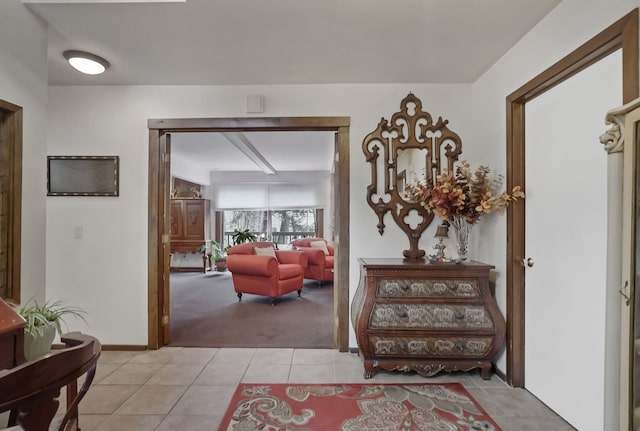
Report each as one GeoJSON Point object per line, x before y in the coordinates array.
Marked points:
{"type": "Point", "coordinates": [159, 150]}
{"type": "Point", "coordinates": [275, 184]}
{"type": "Point", "coordinates": [568, 201]}
{"type": "Point", "coordinates": [622, 35]}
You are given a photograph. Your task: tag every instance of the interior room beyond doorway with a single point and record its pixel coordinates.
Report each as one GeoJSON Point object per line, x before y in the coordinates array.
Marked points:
{"type": "Point", "coordinates": [174, 128]}
{"type": "Point", "coordinates": [277, 185]}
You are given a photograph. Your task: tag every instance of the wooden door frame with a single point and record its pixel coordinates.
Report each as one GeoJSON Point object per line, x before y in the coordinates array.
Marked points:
{"type": "Point", "coordinates": [11, 135]}
{"type": "Point", "coordinates": [158, 127]}
{"type": "Point", "coordinates": [623, 34]}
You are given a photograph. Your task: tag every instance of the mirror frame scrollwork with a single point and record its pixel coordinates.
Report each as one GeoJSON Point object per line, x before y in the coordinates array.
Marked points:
{"type": "Point", "coordinates": [409, 128]}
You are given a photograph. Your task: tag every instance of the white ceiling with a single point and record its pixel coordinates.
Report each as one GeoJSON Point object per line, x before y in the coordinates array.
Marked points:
{"type": "Point", "coordinates": [284, 151]}
{"type": "Point", "coordinates": [254, 42]}
{"type": "Point", "coordinates": [250, 42]}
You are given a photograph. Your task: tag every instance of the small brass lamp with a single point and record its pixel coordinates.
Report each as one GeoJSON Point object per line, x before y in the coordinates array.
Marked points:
{"type": "Point", "coordinates": [442, 232]}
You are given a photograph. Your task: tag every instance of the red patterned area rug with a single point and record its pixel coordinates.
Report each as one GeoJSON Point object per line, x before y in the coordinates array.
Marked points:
{"type": "Point", "coordinates": [355, 407]}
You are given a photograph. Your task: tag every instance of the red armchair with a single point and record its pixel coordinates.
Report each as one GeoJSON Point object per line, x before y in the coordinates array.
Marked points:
{"type": "Point", "coordinates": [265, 274]}
{"type": "Point", "coordinates": [320, 266]}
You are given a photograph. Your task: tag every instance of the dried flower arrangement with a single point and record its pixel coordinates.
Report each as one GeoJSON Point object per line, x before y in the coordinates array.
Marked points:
{"type": "Point", "coordinates": [465, 193]}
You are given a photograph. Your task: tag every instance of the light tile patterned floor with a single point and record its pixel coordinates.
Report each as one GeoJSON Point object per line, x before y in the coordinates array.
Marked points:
{"type": "Point", "coordinates": [189, 388]}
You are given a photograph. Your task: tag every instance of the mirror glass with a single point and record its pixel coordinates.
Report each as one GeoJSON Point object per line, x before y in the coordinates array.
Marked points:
{"type": "Point", "coordinates": [410, 169]}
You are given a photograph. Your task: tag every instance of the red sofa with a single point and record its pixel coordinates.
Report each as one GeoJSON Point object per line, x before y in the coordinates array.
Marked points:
{"type": "Point", "coordinates": [263, 274]}
{"type": "Point", "coordinates": [320, 266]}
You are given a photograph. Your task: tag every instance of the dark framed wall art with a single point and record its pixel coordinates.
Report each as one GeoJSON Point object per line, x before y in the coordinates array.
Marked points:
{"type": "Point", "coordinates": [82, 176]}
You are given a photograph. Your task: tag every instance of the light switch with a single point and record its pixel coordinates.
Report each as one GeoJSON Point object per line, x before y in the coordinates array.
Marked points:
{"type": "Point", "coordinates": [77, 231]}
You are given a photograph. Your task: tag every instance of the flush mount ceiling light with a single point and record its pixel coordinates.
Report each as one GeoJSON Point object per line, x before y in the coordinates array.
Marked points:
{"type": "Point", "coordinates": [86, 62]}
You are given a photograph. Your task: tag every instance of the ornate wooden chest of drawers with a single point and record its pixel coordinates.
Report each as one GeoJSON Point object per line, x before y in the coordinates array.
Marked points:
{"type": "Point", "coordinates": [426, 317]}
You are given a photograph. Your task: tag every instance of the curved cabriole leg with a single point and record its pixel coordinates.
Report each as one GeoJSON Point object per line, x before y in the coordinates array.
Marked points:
{"type": "Point", "coordinates": [70, 419]}
{"type": "Point", "coordinates": [299, 293]}
{"type": "Point", "coordinates": [273, 301]}
{"type": "Point", "coordinates": [239, 296]}
{"type": "Point", "coordinates": [369, 370]}
{"type": "Point", "coordinates": [485, 371]}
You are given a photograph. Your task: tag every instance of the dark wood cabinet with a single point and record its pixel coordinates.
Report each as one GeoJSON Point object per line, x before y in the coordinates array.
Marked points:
{"type": "Point", "coordinates": [190, 228]}
{"type": "Point", "coordinates": [426, 317]}
{"type": "Point", "coordinates": [11, 337]}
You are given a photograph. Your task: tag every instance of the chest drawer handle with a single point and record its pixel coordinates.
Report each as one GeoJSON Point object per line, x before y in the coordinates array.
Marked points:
{"type": "Point", "coordinates": [405, 286]}
{"type": "Point", "coordinates": [459, 314]}
{"type": "Point", "coordinates": [402, 345]}
{"type": "Point", "coordinates": [460, 346]}
{"type": "Point", "coordinates": [402, 313]}
{"type": "Point", "coordinates": [452, 285]}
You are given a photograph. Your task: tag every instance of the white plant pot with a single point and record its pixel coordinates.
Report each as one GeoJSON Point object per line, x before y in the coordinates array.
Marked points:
{"type": "Point", "coordinates": [36, 346]}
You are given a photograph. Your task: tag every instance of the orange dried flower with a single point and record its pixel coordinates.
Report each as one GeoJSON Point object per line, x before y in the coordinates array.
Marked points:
{"type": "Point", "coordinates": [464, 193]}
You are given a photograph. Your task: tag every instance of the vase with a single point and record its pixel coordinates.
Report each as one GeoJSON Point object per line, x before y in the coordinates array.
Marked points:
{"type": "Point", "coordinates": [462, 230]}
{"type": "Point", "coordinates": [36, 345]}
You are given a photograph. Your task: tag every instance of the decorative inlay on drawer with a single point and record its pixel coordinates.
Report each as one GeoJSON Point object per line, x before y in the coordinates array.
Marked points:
{"type": "Point", "coordinates": [428, 288]}
{"type": "Point", "coordinates": [429, 316]}
{"type": "Point", "coordinates": [431, 346]}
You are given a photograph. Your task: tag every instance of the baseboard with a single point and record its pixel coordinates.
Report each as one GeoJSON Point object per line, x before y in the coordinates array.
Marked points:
{"type": "Point", "coordinates": [105, 347]}
{"type": "Point", "coordinates": [127, 347]}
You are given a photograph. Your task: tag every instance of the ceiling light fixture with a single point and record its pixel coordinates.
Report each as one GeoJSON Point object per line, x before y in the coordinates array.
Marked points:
{"type": "Point", "coordinates": [86, 62]}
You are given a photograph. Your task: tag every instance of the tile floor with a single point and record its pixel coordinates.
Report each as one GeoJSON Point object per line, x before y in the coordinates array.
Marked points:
{"type": "Point", "coordinates": [189, 388]}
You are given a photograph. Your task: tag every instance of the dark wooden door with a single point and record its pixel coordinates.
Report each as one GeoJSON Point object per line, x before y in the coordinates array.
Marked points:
{"type": "Point", "coordinates": [177, 221]}
{"type": "Point", "coordinates": [193, 220]}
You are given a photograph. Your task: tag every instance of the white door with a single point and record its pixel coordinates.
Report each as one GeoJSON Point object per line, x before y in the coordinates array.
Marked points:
{"type": "Point", "coordinates": [566, 209]}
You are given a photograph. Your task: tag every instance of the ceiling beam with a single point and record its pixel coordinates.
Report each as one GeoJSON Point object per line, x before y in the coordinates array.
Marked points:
{"type": "Point", "coordinates": [242, 143]}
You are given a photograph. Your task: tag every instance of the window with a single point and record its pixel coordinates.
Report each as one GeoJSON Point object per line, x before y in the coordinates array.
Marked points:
{"type": "Point", "coordinates": [278, 226]}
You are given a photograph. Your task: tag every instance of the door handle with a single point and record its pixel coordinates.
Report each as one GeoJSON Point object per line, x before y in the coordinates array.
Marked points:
{"type": "Point", "coordinates": [527, 262]}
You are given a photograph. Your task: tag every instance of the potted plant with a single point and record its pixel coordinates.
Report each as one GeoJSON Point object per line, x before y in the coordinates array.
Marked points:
{"type": "Point", "coordinates": [215, 254]}
{"type": "Point", "coordinates": [42, 322]}
{"type": "Point", "coordinates": [242, 236]}
{"type": "Point", "coordinates": [218, 256]}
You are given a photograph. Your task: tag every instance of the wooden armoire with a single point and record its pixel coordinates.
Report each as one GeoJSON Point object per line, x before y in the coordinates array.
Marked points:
{"type": "Point", "coordinates": [190, 228]}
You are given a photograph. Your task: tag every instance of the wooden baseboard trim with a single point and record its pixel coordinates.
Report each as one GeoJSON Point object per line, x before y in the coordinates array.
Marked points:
{"type": "Point", "coordinates": [105, 347]}
{"type": "Point", "coordinates": [127, 347]}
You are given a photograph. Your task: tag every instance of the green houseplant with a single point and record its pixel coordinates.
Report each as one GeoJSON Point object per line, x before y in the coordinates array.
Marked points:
{"type": "Point", "coordinates": [42, 322]}
{"type": "Point", "coordinates": [242, 236]}
{"type": "Point", "coordinates": [216, 255]}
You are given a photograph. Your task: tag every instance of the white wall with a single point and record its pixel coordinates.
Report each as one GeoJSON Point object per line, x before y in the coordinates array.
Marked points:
{"type": "Point", "coordinates": [188, 171]}
{"type": "Point", "coordinates": [23, 82]}
{"type": "Point", "coordinates": [106, 271]}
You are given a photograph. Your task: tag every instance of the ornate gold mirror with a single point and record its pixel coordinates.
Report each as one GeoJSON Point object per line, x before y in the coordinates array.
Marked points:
{"type": "Point", "coordinates": [408, 149]}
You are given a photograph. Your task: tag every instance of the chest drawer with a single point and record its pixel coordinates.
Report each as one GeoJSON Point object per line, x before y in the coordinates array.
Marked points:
{"type": "Point", "coordinates": [464, 346]}
{"type": "Point", "coordinates": [414, 315]}
{"type": "Point", "coordinates": [430, 316]}
{"type": "Point", "coordinates": [427, 288]}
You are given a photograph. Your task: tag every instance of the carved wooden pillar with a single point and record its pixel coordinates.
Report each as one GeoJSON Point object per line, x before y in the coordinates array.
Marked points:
{"type": "Point", "coordinates": [620, 143]}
